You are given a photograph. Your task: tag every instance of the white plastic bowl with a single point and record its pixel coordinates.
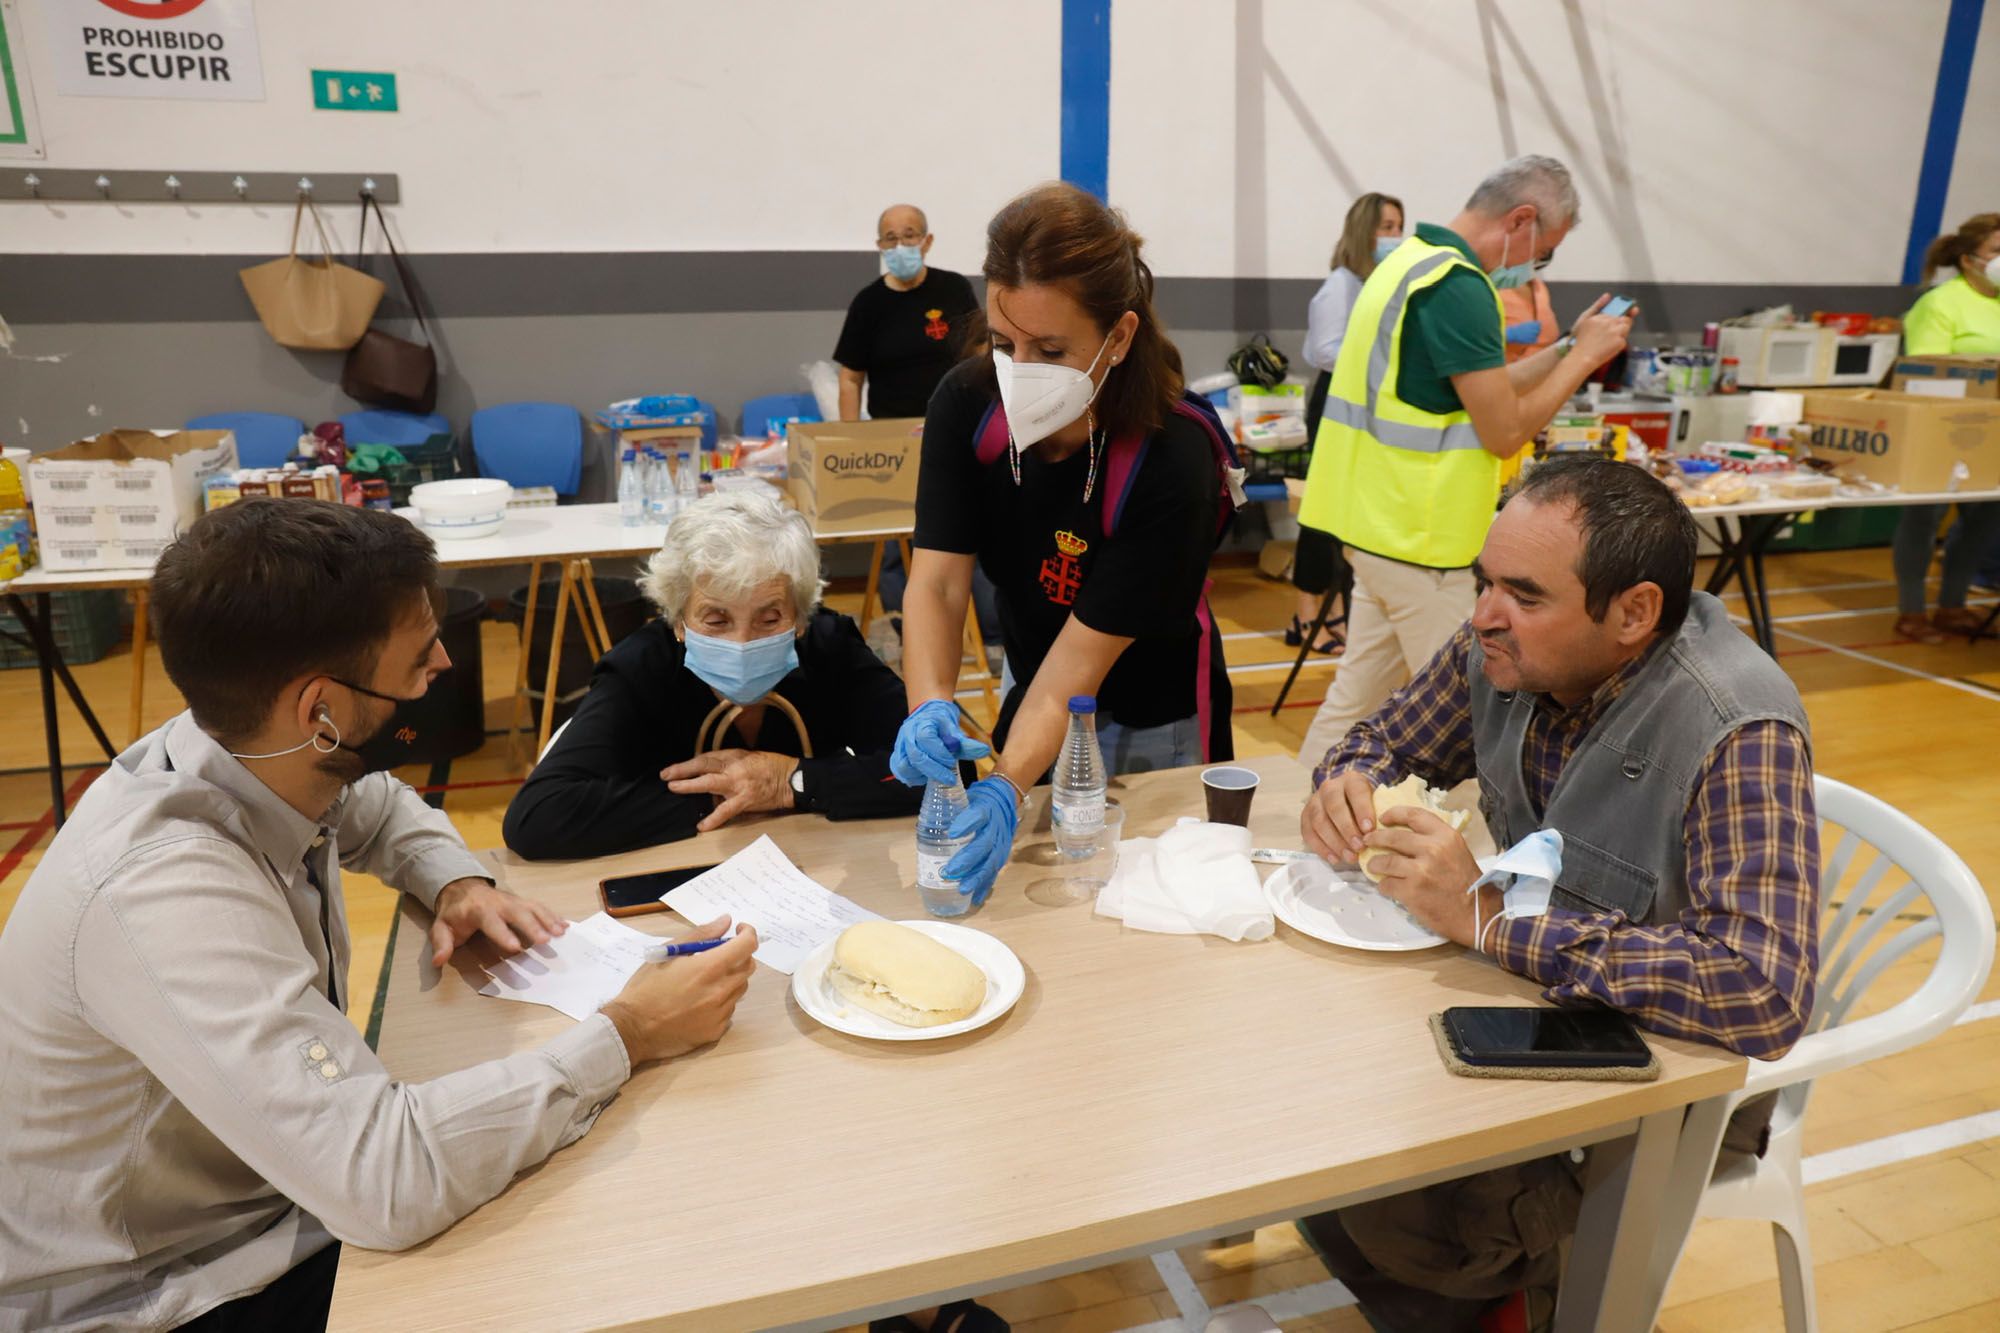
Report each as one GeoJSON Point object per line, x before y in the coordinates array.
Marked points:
{"type": "Point", "coordinates": [462, 507]}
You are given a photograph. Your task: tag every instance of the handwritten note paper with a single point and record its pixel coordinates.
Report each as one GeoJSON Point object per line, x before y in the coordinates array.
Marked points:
{"type": "Point", "coordinates": [792, 913]}
{"type": "Point", "coordinates": [578, 972]}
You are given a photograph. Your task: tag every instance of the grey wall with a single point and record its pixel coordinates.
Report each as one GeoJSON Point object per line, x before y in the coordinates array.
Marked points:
{"type": "Point", "coordinates": [126, 340]}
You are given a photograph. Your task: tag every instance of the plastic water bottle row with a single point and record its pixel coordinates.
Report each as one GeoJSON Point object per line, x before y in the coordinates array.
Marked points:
{"type": "Point", "coordinates": [651, 490]}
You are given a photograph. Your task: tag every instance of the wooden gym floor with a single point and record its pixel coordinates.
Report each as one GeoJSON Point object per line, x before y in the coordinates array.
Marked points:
{"type": "Point", "coordinates": [1905, 1214]}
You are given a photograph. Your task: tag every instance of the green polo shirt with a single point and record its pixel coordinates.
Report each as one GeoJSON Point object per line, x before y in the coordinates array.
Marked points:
{"type": "Point", "coordinates": [1451, 327]}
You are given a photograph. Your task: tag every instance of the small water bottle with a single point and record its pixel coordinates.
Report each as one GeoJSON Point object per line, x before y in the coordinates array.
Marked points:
{"type": "Point", "coordinates": [943, 803]}
{"type": "Point", "coordinates": [631, 490]}
{"type": "Point", "coordinates": [1078, 804]}
{"type": "Point", "coordinates": [687, 478]}
{"type": "Point", "coordinates": [659, 489]}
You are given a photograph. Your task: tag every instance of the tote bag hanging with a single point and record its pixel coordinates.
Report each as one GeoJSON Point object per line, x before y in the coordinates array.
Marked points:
{"type": "Point", "coordinates": [312, 304]}
{"type": "Point", "coordinates": [384, 370]}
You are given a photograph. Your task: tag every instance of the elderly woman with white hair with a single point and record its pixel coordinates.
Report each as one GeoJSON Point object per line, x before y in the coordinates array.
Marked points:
{"type": "Point", "coordinates": [744, 695]}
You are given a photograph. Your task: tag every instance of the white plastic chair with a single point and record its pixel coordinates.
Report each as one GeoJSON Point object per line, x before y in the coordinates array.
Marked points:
{"type": "Point", "coordinates": [554, 736]}
{"type": "Point", "coordinates": [1855, 950]}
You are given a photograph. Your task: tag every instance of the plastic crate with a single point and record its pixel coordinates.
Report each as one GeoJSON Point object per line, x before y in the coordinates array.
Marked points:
{"type": "Point", "coordinates": [86, 626]}
{"type": "Point", "coordinates": [1839, 529]}
{"type": "Point", "coordinates": [436, 459]}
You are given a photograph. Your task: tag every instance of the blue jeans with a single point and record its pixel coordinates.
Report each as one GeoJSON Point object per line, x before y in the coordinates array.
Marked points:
{"type": "Point", "coordinates": [1136, 749]}
{"type": "Point", "coordinates": [1144, 749]}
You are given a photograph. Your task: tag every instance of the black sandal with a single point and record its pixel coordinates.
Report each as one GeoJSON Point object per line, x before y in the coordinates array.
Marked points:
{"type": "Point", "coordinates": [957, 1317]}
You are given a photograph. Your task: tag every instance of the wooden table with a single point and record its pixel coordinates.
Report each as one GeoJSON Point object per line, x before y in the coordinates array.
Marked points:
{"type": "Point", "coordinates": [1147, 1091]}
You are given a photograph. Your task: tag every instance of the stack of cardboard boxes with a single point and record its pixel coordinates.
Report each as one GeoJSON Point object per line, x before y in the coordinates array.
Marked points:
{"type": "Point", "coordinates": [1936, 431]}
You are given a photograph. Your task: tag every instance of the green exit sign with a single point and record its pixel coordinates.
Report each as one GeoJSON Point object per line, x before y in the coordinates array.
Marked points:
{"type": "Point", "coordinates": [349, 90]}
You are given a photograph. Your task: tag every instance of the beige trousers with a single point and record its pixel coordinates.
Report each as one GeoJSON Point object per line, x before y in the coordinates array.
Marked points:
{"type": "Point", "coordinates": [1397, 619]}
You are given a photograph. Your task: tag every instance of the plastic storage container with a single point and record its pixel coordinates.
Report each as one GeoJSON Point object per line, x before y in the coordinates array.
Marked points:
{"type": "Point", "coordinates": [463, 507]}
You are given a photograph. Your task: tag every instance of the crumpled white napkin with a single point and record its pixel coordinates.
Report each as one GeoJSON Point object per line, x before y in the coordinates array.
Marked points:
{"type": "Point", "coordinates": [1194, 879]}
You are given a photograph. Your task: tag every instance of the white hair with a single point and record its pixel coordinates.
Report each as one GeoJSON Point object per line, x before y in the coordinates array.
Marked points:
{"type": "Point", "coordinates": [727, 544]}
{"type": "Point", "coordinates": [1531, 179]}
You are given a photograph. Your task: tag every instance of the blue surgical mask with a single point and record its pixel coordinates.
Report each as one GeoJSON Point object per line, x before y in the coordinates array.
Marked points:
{"type": "Point", "coordinates": [904, 261]}
{"type": "Point", "coordinates": [1384, 245]}
{"type": "Point", "coordinates": [1523, 273]}
{"type": "Point", "coordinates": [742, 673]}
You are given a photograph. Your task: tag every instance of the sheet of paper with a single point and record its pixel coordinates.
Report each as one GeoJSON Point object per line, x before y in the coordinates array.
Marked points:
{"type": "Point", "coordinates": [578, 972]}
{"type": "Point", "coordinates": [759, 886]}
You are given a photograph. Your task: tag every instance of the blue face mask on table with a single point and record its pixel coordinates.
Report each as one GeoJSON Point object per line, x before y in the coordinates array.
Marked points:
{"type": "Point", "coordinates": [904, 261]}
{"type": "Point", "coordinates": [742, 673]}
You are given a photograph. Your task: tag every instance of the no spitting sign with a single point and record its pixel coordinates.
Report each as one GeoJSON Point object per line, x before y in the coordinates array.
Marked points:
{"type": "Point", "coordinates": [203, 50]}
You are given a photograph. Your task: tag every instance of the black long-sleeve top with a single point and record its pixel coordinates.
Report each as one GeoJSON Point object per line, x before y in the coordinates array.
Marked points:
{"type": "Point", "coordinates": [598, 790]}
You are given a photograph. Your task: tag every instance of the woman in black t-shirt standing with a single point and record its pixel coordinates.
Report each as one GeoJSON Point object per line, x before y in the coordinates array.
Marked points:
{"type": "Point", "coordinates": [1096, 598]}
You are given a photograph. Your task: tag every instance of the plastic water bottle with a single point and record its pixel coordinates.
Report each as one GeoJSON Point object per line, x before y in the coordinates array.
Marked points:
{"type": "Point", "coordinates": [943, 802]}
{"type": "Point", "coordinates": [659, 488]}
{"type": "Point", "coordinates": [1078, 805]}
{"type": "Point", "coordinates": [631, 490]}
{"type": "Point", "coordinates": [687, 478]}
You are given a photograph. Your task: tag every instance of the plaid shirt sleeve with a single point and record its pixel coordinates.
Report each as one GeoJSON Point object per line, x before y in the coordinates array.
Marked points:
{"type": "Point", "coordinates": [1737, 970]}
{"type": "Point", "coordinates": [1425, 728]}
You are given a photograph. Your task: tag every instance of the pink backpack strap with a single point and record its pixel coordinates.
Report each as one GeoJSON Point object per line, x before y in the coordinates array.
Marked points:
{"type": "Point", "coordinates": [990, 440]}
{"type": "Point", "coordinates": [1121, 469]}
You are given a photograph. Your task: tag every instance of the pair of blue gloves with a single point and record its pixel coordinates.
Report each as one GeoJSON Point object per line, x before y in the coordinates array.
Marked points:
{"type": "Point", "coordinates": [928, 747]}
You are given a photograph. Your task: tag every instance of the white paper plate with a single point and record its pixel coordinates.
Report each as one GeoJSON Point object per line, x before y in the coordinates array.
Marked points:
{"type": "Point", "coordinates": [1342, 907]}
{"type": "Point", "coordinates": [1005, 980]}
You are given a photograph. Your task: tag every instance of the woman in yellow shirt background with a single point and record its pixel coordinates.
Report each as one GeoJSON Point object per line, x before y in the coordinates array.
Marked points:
{"type": "Point", "coordinates": [1958, 317]}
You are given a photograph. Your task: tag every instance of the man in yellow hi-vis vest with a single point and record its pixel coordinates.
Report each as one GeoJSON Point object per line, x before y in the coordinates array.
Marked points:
{"type": "Point", "coordinates": [1422, 414]}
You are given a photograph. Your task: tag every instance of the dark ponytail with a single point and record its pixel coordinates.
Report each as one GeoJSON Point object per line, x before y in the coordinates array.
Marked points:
{"type": "Point", "coordinates": [1947, 250]}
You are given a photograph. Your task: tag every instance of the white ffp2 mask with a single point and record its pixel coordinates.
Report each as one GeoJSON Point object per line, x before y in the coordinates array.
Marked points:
{"type": "Point", "coordinates": [1041, 397]}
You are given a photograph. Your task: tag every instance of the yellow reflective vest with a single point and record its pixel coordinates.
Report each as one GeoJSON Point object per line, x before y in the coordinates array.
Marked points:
{"type": "Point", "coordinates": [1387, 477]}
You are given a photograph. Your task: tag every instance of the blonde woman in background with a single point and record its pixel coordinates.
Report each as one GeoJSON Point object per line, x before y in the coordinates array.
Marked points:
{"type": "Point", "coordinates": [1958, 317]}
{"type": "Point", "coordinates": [1373, 228]}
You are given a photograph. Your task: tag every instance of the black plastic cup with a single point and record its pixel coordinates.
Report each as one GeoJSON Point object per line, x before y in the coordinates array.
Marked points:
{"type": "Point", "coordinates": [1229, 790]}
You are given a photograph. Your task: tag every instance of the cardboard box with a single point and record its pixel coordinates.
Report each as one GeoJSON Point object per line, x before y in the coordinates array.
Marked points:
{"type": "Point", "coordinates": [855, 476]}
{"type": "Point", "coordinates": [115, 501]}
{"type": "Point", "coordinates": [1949, 376]}
{"type": "Point", "coordinates": [1911, 441]}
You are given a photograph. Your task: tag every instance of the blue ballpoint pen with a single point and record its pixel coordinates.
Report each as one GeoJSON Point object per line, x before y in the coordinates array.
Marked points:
{"type": "Point", "coordinates": [660, 953]}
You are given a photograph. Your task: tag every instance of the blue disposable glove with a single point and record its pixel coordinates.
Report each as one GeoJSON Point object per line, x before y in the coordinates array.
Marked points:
{"type": "Point", "coordinates": [989, 818]}
{"type": "Point", "coordinates": [1524, 332]}
{"type": "Point", "coordinates": [929, 745]}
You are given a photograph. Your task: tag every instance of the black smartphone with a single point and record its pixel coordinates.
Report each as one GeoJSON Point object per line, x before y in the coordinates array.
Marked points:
{"type": "Point", "coordinates": [635, 895]}
{"type": "Point", "coordinates": [1559, 1038]}
{"type": "Point", "coordinates": [1616, 306]}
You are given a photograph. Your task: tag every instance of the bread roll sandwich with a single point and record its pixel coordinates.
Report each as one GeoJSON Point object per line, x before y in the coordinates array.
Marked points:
{"type": "Point", "coordinates": [904, 975]}
{"type": "Point", "coordinates": [1410, 791]}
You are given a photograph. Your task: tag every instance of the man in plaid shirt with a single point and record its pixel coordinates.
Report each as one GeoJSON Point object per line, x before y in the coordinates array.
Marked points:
{"type": "Point", "coordinates": [1594, 693]}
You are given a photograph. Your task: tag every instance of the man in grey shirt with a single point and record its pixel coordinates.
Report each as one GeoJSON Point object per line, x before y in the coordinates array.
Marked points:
{"type": "Point", "coordinates": [191, 1122]}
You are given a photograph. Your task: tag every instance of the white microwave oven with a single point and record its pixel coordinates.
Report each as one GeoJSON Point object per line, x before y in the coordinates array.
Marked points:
{"type": "Point", "coordinates": [1864, 360]}
{"type": "Point", "coordinates": [1804, 356]}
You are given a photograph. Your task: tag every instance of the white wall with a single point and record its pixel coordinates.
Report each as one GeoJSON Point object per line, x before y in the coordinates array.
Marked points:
{"type": "Point", "coordinates": [598, 125]}
{"type": "Point", "coordinates": [1712, 140]}
{"type": "Point", "coordinates": [1975, 180]}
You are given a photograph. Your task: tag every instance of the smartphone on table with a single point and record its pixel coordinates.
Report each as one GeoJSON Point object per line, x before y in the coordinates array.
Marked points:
{"type": "Point", "coordinates": [635, 895]}
{"type": "Point", "coordinates": [1546, 1038]}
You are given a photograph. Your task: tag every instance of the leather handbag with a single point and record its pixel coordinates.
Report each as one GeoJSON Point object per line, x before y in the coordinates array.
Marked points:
{"type": "Point", "coordinates": [382, 369]}
{"type": "Point", "coordinates": [312, 304]}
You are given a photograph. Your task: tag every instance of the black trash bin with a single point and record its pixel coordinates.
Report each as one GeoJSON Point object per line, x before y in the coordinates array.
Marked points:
{"type": "Point", "coordinates": [450, 719]}
{"type": "Point", "coordinates": [625, 609]}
